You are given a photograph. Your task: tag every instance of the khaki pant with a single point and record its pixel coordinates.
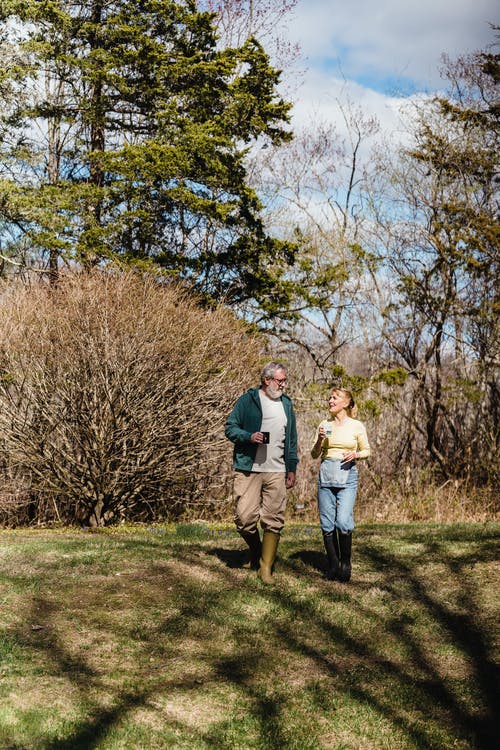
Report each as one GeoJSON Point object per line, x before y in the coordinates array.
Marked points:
{"type": "Point", "coordinates": [259, 495]}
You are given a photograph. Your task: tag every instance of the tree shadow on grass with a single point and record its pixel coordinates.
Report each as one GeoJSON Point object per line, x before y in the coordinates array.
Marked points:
{"type": "Point", "coordinates": [418, 682]}
{"type": "Point", "coordinates": [61, 663]}
{"type": "Point", "coordinates": [435, 697]}
{"type": "Point", "coordinates": [232, 558]}
{"type": "Point", "coordinates": [188, 601]}
{"type": "Point", "coordinates": [91, 732]}
{"type": "Point", "coordinates": [462, 630]}
{"type": "Point", "coordinates": [312, 559]}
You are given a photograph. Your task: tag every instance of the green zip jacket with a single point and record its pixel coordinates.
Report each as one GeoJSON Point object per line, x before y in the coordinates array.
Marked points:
{"type": "Point", "coordinates": [246, 418]}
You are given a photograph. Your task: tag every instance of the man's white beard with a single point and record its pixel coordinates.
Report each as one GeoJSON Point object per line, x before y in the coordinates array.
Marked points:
{"type": "Point", "coordinates": [274, 393]}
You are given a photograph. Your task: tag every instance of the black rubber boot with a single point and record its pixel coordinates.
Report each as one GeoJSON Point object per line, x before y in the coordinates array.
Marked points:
{"type": "Point", "coordinates": [345, 544]}
{"type": "Point", "coordinates": [252, 538]}
{"type": "Point", "coordinates": [331, 542]}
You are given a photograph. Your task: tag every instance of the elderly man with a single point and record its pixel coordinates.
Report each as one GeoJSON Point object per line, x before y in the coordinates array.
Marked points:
{"type": "Point", "coordinates": [263, 429]}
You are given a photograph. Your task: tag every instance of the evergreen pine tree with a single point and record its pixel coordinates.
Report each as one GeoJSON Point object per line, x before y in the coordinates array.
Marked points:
{"type": "Point", "coordinates": [127, 140]}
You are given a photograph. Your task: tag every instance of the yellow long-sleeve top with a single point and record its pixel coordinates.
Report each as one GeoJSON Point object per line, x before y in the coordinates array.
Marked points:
{"type": "Point", "coordinates": [349, 436]}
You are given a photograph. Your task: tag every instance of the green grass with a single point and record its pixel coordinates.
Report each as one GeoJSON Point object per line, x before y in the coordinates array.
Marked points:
{"type": "Point", "coordinates": [157, 638]}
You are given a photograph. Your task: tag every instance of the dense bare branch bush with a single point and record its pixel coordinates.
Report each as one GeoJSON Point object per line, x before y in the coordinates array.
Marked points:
{"type": "Point", "coordinates": [113, 394]}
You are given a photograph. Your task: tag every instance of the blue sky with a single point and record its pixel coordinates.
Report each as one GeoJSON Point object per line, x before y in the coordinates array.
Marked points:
{"type": "Point", "coordinates": [380, 51]}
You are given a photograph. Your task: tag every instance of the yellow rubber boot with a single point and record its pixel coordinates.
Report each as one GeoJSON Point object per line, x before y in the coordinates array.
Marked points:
{"type": "Point", "coordinates": [270, 542]}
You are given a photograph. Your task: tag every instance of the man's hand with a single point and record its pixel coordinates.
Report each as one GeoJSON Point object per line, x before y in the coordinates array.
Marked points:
{"type": "Point", "coordinates": [257, 437]}
{"type": "Point", "coordinates": [290, 480]}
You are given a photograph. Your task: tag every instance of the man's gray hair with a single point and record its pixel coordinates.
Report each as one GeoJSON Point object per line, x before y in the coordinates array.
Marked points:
{"type": "Point", "coordinates": [270, 370]}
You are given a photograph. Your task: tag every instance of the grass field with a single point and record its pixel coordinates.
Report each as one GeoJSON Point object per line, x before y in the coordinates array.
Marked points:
{"type": "Point", "coordinates": [156, 638]}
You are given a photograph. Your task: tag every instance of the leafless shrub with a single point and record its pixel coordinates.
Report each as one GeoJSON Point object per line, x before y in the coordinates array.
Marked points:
{"type": "Point", "coordinates": [113, 394]}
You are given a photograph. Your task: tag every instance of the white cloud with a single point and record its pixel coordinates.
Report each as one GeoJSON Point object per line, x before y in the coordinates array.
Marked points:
{"type": "Point", "coordinates": [370, 52]}
{"type": "Point", "coordinates": [391, 39]}
{"type": "Point", "coordinates": [320, 93]}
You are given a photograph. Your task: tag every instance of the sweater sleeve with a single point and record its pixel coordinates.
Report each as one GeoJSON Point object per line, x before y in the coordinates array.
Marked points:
{"type": "Point", "coordinates": [364, 450]}
{"type": "Point", "coordinates": [315, 450]}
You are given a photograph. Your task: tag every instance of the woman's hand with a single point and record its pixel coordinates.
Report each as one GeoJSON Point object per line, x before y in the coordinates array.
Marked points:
{"type": "Point", "coordinates": [321, 435]}
{"type": "Point", "coordinates": [349, 455]}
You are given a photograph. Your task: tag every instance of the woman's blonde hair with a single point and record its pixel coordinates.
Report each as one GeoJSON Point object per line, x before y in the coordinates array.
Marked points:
{"type": "Point", "coordinates": [351, 409]}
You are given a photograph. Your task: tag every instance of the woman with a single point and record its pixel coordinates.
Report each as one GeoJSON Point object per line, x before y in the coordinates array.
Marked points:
{"type": "Point", "coordinates": [340, 441]}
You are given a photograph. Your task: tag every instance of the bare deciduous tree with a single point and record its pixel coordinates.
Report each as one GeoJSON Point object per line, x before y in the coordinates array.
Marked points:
{"type": "Point", "coordinates": [315, 193]}
{"type": "Point", "coordinates": [438, 217]}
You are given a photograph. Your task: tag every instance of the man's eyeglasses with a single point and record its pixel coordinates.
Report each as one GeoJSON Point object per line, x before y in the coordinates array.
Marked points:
{"type": "Point", "coordinates": [280, 382]}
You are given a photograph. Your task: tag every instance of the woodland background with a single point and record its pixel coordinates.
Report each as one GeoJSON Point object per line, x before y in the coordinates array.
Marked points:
{"type": "Point", "coordinates": [163, 232]}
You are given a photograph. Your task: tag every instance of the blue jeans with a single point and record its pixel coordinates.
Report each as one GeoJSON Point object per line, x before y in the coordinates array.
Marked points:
{"type": "Point", "coordinates": [336, 504]}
